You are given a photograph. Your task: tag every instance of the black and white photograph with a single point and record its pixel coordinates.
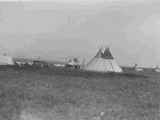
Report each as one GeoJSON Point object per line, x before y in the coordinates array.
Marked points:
{"type": "Point", "coordinates": [79, 60]}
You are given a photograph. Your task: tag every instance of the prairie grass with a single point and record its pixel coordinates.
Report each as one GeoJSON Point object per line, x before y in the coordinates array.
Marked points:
{"type": "Point", "coordinates": [44, 95]}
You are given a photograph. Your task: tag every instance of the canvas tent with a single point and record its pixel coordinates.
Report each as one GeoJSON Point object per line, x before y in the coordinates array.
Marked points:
{"type": "Point", "coordinates": [6, 60]}
{"type": "Point", "coordinates": [103, 62]}
{"type": "Point", "coordinates": [157, 69]}
{"type": "Point", "coordinates": [137, 68]}
{"type": "Point", "coordinates": [73, 62]}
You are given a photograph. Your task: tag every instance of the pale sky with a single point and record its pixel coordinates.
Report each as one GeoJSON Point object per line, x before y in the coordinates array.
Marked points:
{"type": "Point", "coordinates": [65, 28]}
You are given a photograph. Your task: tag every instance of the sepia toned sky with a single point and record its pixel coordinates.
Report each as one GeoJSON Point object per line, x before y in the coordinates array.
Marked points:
{"type": "Point", "coordinates": [60, 28]}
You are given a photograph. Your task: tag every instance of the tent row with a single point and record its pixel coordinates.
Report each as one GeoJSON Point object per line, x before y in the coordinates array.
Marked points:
{"type": "Point", "coordinates": [103, 61]}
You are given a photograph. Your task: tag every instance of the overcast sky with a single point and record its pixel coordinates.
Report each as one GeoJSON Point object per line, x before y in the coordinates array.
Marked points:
{"type": "Point", "coordinates": [79, 27]}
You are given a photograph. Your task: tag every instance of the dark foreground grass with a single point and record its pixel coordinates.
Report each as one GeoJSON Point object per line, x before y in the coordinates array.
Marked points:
{"type": "Point", "coordinates": [40, 95]}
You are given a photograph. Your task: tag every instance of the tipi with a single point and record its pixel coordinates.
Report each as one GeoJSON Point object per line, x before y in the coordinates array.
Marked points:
{"type": "Point", "coordinates": [103, 62]}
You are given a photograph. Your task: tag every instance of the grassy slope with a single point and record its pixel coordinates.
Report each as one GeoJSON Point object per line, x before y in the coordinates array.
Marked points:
{"type": "Point", "coordinates": [29, 95]}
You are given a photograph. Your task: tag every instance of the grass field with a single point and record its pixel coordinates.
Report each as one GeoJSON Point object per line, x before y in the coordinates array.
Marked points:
{"type": "Point", "coordinates": [44, 95]}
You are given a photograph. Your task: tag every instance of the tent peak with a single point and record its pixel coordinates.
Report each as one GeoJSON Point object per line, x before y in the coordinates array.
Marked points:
{"type": "Point", "coordinates": [104, 52]}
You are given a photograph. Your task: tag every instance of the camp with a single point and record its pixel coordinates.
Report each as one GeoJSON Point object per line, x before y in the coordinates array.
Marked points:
{"type": "Point", "coordinates": [6, 60]}
{"type": "Point", "coordinates": [103, 62]}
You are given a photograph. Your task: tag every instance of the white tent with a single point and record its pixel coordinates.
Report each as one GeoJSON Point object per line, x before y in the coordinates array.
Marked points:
{"type": "Point", "coordinates": [137, 68]}
{"type": "Point", "coordinates": [103, 62]}
{"type": "Point", "coordinates": [157, 69]}
{"type": "Point", "coordinates": [6, 60]}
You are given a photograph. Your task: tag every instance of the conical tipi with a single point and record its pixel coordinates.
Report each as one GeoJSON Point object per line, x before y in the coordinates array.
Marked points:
{"type": "Point", "coordinates": [103, 62]}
